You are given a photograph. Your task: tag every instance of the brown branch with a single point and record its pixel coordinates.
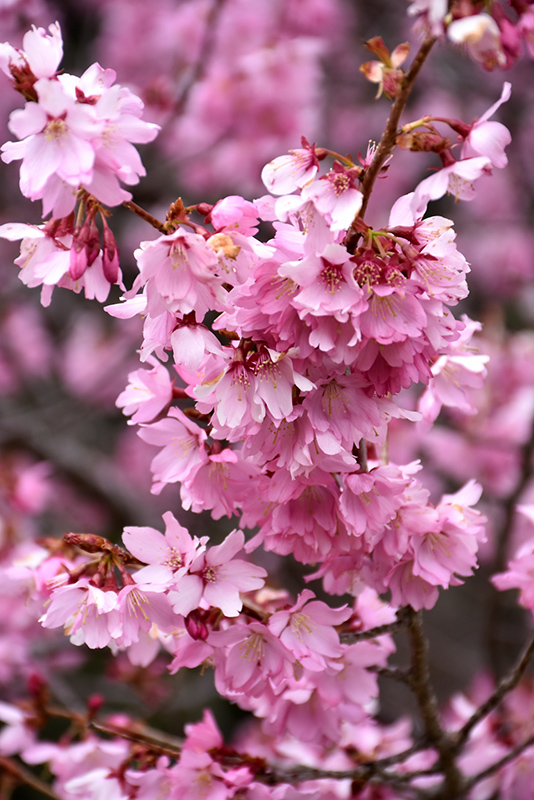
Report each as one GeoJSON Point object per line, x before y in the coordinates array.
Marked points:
{"type": "Point", "coordinates": [394, 673]}
{"type": "Point", "coordinates": [513, 753]}
{"type": "Point", "coordinates": [499, 561]}
{"type": "Point", "coordinates": [526, 461]}
{"type": "Point", "coordinates": [453, 780]}
{"type": "Point", "coordinates": [199, 69]}
{"type": "Point", "coordinates": [159, 226]}
{"type": "Point", "coordinates": [366, 772]}
{"type": "Point", "coordinates": [350, 637]}
{"type": "Point", "coordinates": [505, 686]}
{"type": "Point", "coordinates": [387, 142]}
{"type": "Point", "coordinates": [23, 775]}
{"type": "Point", "coordinates": [154, 743]}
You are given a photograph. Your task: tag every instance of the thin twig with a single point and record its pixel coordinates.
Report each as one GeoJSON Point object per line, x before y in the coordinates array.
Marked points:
{"type": "Point", "coordinates": [350, 637]}
{"type": "Point", "coordinates": [387, 142]}
{"type": "Point", "coordinates": [513, 753]}
{"type": "Point", "coordinates": [159, 226]}
{"type": "Point", "coordinates": [526, 456]}
{"type": "Point", "coordinates": [505, 686]}
{"type": "Point", "coordinates": [394, 673]}
{"type": "Point", "coordinates": [208, 45]}
{"type": "Point", "coordinates": [23, 775]}
{"type": "Point", "coordinates": [153, 743]}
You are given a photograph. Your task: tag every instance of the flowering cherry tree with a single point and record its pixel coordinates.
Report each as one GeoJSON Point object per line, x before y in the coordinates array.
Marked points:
{"type": "Point", "coordinates": [300, 366]}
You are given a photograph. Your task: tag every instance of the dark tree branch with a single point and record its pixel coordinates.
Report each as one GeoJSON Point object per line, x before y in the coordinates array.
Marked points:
{"type": "Point", "coordinates": [505, 686]}
{"type": "Point", "coordinates": [350, 637]}
{"type": "Point", "coordinates": [25, 777]}
{"type": "Point", "coordinates": [208, 44]}
{"type": "Point", "coordinates": [387, 142]}
{"type": "Point", "coordinates": [453, 781]}
{"type": "Point", "coordinates": [503, 538]}
{"type": "Point", "coordinates": [140, 212]}
{"type": "Point", "coordinates": [489, 771]}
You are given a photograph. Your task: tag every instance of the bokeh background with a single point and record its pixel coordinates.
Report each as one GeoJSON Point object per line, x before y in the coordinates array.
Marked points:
{"type": "Point", "coordinates": [234, 83]}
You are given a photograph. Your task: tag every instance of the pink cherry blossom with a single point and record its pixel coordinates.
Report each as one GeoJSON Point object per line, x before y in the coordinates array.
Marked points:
{"type": "Point", "coordinates": [183, 447]}
{"type": "Point", "coordinates": [140, 605]}
{"type": "Point", "coordinates": [489, 138]}
{"type": "Point", "coordinates": [149, 392]}
{"type": "Point", "coordinates": [453, 375]}
{"type": "Point", "coordinates": [252, 655]}
{"type": "Point", "coordinates": [215, 579]}
{"type": "Point", "coordinates": [56, 134]}
{"type": "Point", "coordinates": [221, 483]}
{"type": "Point", "coordinates": [456, 179]}
{"type": "Point", "coordinates": [307, 630]}
{"type": "Point", "coordinates": [168, 552]}
{"type": "Point", "coordinates": [180, 273]}
{"type": "Point", "coordinates": [336, 197]}
{"type": "Point", "coordinates": [285, 174]}
{"type": "Point", "coordinates": [87, 613]}
{"type": "Point", "coordinates": [434, 11]}
{"type": "Point", "coordinates": [41, 53]}
{"type": "Point", "coordinates": [481, 36]}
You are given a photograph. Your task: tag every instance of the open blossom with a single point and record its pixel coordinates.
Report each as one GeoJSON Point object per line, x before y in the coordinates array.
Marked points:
{"type": "Point", "coordinates": [248, 656]}
{"type": "Point", "coordinates": [307, 630]}
{"type": "Point", "coordinates": [148, 393]}
{"type": "Point", "coordinates": [216, 578]}
{"type": "Point", "coordinates": [139, 606]}
{"type": "Point", "coordinates": [480, 34]}
{"type": "Point", "coordinates": [56, 134]}
{"type": "Point", "coordinates": [487, 138]}
{"type": "Point", "coordinates": [441, 545]}
{"type": "Point", "coordinates": [456, 179]}
{"type": "Point", "coordinates": [166, 553]}
{"type": "Point", "coordinates": [87, 613]}
{"type": "Point", "coordinates": [285, 174]}
{"type": "Point", "coordinates": [370, 499]}
{"type": "Point", "coordinates": [246, 387]}
{"type": "Point", "coordinates": [453, 375]}
{"type": "Point", "coordinates": [220, 484]}
{"type": "Point", "coordinates": [183, 447]}
{"type": "Point", "coordinates": [40, 55]}
{"type": "Point", "coordinates": [44, 260]}
{"type": "Point", "coordinates": [326, 286]}
{"type": "Point", "coordinates": [180, 271]}
{"type": "Point", "coordinates": [335, 196]}
{"type": "Point", "coordinates": [190, 345]}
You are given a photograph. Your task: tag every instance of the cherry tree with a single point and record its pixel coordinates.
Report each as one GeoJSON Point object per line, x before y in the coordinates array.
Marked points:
{"type": "Point", "coordinates": [299, 370]}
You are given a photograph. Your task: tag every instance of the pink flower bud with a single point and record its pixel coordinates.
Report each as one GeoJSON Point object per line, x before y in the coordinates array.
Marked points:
{"type": "Point", "coordinates": [196, 627]}
{"type": "Point", "coordinates": [110, 255]}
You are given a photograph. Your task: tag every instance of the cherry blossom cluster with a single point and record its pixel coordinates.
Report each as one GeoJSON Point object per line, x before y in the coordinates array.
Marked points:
{"type": "Point", "coordinates": [494, 34]}
{"type": "Point", "coordinates": [205, 606]}
{"type": "Point", "coordinates": [315, 341]}
{"type": "Point", "coordinates": [200, 766]}
{"type": "Point", "coordinates": [75, 143]}
{"type": "Point", "coordinates": [283, 339]}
